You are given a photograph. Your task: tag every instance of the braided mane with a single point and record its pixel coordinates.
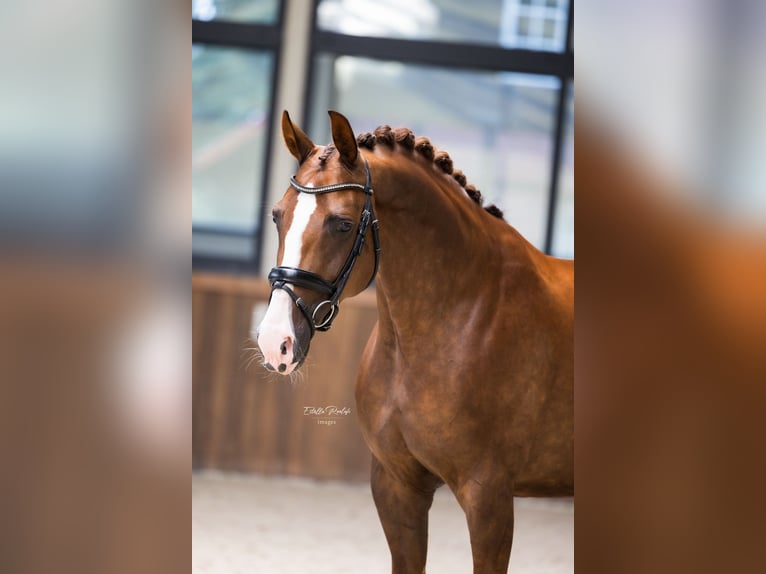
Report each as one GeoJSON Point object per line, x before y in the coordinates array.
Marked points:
{"type": "Point", "coordinates": [326, 154]}
{"type": "Point", "coordinates": [404, 137]}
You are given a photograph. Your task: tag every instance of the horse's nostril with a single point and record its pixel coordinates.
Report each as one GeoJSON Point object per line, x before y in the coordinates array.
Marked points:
{"type": "Point", "coordinates": [283, 347]}
{"type": "Point", "coordinates": [282, 368]}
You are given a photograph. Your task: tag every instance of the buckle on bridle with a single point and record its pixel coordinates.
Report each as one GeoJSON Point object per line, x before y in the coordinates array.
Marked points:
{"type": "Point", "coordinates": [325, 323]}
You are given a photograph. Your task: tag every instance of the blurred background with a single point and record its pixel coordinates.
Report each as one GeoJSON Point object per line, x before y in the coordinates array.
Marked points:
{"type": "Point", "coordinates": [489, 81]}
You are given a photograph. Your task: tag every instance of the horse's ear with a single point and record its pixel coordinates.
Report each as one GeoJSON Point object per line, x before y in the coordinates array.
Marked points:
{"type": "Point", "coordinates": [343, 138]}
{"type": "Point", "coordinates": [299, 144]}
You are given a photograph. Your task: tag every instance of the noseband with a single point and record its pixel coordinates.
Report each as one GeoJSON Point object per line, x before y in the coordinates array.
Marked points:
{"type": "Point", "coordinates": [320, 318]}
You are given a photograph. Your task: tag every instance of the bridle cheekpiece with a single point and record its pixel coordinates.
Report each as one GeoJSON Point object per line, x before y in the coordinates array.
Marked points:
{"type": "Point", "coordinates": [320, 318]}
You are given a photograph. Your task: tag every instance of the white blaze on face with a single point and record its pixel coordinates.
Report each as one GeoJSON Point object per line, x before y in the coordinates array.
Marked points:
{"type": "Point", "coordinates": [276, 331]}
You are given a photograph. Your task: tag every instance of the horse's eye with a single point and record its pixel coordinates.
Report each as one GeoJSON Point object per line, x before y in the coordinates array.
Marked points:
{"type": "Point", "coordinates": [344, 226]}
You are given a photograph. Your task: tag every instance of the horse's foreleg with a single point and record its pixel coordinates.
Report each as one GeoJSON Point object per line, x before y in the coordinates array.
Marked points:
{"type": "Point", "coordinates": [403, 510]}
{"type": "Point", "coordinates": [488, 506]}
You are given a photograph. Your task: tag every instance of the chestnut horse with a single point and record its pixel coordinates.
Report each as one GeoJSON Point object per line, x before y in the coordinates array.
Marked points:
{"type": "Point", "coordinates": [467, 378]}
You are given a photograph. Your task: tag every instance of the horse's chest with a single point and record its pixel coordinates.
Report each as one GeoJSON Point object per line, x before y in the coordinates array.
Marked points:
{"type": "Point", "coordinates": [400, 423]}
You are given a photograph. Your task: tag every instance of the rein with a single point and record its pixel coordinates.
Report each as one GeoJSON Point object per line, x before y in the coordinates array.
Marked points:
{"type": "Point", "coordinates": [320, 318]}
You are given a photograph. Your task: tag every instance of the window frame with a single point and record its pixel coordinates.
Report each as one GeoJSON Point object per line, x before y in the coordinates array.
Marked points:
{"type": "Point", "coordinates": [465, 56]}
{"type": "Point", "coordinates": [451, 55]}
{"type": "Point", "coordinates": [253, 36]}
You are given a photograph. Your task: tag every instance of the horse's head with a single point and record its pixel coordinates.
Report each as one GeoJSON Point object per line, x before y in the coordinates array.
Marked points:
{"type": "Point", "coordinates": [323, 221]}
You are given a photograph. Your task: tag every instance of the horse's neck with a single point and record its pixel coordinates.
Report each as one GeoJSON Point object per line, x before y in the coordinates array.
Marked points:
{"type": "Point", "coordinates": [437, 250]}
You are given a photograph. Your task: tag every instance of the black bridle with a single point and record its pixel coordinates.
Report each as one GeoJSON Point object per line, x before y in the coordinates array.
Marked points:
{"type": "Point", "coordinates": [320, 318]}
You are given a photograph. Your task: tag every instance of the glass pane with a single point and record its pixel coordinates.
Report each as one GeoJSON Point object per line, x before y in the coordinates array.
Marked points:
{"type": "Point", "coordinates": [563, 225]}
{"type": "Point", "coordinates": [529, 24]}
{"type": "Point", "coordinates": [259, 11]}
{"type": "Point", "coordinates": [231, 91]}
{"type": "Point", "coordinates": [496, 126]}
{"type": "Point", "coordinates": [222, 246]}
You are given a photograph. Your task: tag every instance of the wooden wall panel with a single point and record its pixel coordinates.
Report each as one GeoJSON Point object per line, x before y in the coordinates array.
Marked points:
{"type": "Point", "coordinates": [247, 419]}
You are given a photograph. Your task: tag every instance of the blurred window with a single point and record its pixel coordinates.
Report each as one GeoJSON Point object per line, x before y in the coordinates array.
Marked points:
{"type": "Point", "coordinates": [532, 24]}
{"type": "Point", "coordinates": [256, 11]}
{"type": "Point", "coordinates": [496, 126]}
{"type": "Point", "coordinates": [231, 106]}
{"type": "Point", "coordinates": [487, 81]}
{"type": "Point", "coordinates": [563, 224]}
{"type": "Point", "coordinates": [235, 45]}
{"type": "Point", "coordinates": [535, 24]}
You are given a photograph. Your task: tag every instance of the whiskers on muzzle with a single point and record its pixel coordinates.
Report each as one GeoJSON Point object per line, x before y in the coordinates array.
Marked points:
{"type": "Point", "coordinates": [298, 376]}
{"type": "Point", "coordinates": [252, 355]}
